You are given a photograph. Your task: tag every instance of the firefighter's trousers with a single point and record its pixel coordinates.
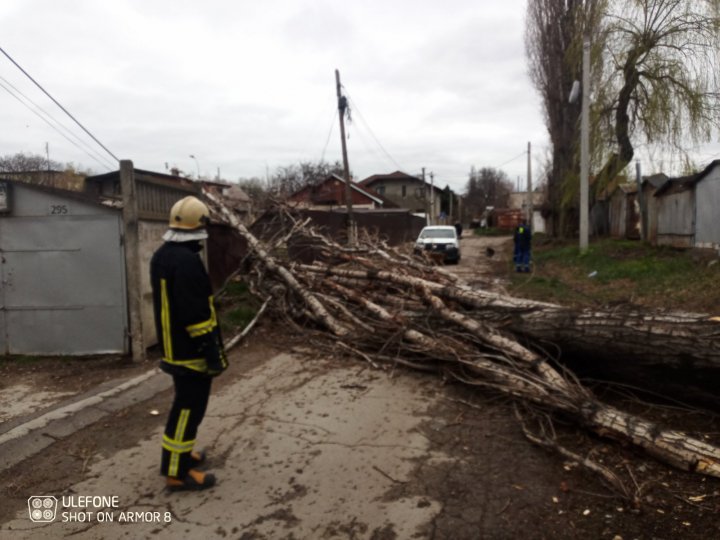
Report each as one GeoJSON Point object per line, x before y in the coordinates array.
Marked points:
{"type": "Point", "coordinates": [188, 409]}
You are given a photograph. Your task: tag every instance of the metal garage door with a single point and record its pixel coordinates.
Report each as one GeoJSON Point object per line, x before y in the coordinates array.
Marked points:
{"type": "Point", "coordinates": [63, 286]}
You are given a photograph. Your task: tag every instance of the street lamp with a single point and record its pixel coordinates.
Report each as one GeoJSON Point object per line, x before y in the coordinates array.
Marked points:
{"type": "Point", "coordinates": [197, 165]}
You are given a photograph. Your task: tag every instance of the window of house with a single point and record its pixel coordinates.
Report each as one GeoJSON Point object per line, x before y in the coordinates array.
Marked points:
{"type": "Point", "coordinates": [380, 190]}
{"type": "Point", "coordinates": [404, 191]}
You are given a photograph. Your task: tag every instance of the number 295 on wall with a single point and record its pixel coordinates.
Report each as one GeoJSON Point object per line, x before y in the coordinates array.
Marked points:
{"type": "Point", "coordinates": [59, 210]}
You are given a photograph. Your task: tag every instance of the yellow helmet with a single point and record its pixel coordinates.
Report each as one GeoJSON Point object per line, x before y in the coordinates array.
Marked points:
{"type": "Point", "coordinates": [189, 214]}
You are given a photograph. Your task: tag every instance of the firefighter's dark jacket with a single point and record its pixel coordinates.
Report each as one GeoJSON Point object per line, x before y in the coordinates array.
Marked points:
{"type": "Point", "coordinates": [185, 318]}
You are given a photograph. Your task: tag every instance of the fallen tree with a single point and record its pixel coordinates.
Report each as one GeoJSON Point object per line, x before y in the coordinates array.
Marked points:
{"type": "Point", "coordinates": [391, 309]}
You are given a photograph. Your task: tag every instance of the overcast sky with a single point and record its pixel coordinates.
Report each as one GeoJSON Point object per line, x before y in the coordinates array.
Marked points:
{"type": "Point", "coordinates": [248, 86]}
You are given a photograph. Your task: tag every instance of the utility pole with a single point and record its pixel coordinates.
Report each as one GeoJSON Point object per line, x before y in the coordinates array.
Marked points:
{"type": "Point", "coordinates": [426, 201]}
{"type": "Point", "coordinates": [529, 189]}
{"type": "Point", "coordinates": [47, 153]}
{"type": "Point", "coordinates": [342, 107]}
{"type": "Point", "coordinates": [450, 210]}
{"type": "Point", "coordinates": [432, 198]}
{"type": "Point", "coordinates": [585, 146]}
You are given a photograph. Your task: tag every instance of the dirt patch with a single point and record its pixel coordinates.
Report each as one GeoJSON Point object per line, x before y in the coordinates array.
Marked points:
{"type": "Point", "coordinates": [484, 261]}
{"type": "Point", "coordinates": [30, 384]}
{"type": "Point", "coordinates": [500, 486]}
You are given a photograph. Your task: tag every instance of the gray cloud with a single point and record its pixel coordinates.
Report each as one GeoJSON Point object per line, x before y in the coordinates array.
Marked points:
{"type": "Point", "coordinates": [249, 86]}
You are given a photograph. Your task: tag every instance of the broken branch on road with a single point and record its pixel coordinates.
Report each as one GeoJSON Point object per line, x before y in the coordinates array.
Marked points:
{"type": "Point", "coordinates": [389, 308]}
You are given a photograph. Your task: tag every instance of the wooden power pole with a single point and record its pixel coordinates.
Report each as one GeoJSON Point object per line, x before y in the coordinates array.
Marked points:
{"type": "Point", "coordinates": [426, 199]}
{"type": "Point", "coordinates": [342, 107]}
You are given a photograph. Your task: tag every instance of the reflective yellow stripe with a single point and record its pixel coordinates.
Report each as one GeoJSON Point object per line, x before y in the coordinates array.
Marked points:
{"type": "Point", "coordinates": [179, 433]}
{"type": "Point", "coordinates": [182, 424]}
{"type": "Point", "coordinates": [199, 329]}
{"type": "Point", "coordinates": [165, 320]}
{"type": "Point", "coordinates": [204, 327]}
{"type": "Point", "coordinates": [196, 364]}
{"type": "Point", "coordinates": [174, 464]}
{"type": "Point", "coordinates": [172, 445]}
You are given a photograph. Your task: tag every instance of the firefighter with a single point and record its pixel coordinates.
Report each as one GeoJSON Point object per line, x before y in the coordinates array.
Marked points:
{"type": "Point", "coordinates": [188, 332]}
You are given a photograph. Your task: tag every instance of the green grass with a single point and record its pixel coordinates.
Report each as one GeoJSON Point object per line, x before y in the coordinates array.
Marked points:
{"type": "Point", "coordinates": [240, 316]}
{"type": "Point", "coordinates": [619, 259]}
{"type": "Point", "coordinates": [237, 307]}
{"type": "Point", "coordinates": [621, 270]}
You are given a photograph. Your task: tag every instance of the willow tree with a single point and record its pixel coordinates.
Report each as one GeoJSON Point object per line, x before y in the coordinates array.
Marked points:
{"type": "Point", "coordinates": [660, 80]}
{"type": "Point", "coordinates": [655, 80]}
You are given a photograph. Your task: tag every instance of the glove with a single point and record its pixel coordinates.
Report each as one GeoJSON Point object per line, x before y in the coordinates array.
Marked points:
{"type": "Point", "coordinates": [214, 355]}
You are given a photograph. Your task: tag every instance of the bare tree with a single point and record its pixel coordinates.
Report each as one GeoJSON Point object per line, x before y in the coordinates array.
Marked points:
{"type": "Point", "coordinates": [553, 46]}
{"type": "Point", "coordinates": [289, 179]}
{"type": "Point", "coordinates": [27, 163]}
{"type": "Point", "coordinates": [36, 169]}
{"type": "Point", "coordinates": [486, 187]}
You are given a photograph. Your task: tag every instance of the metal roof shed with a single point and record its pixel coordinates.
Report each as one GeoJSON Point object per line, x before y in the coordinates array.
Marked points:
{"type": "Point", "coordinates": [675, 201]}
{"type": "Point", "coordinates": [63, 273]}
{"type": "Point", "coordinates": [707, 207]}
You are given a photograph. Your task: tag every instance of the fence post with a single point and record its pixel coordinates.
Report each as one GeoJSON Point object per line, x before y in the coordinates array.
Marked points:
{"type": "Point", "coordinates": [132, 258]}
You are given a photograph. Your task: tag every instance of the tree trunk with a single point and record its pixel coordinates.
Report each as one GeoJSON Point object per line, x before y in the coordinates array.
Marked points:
{"type": "Point", "coordinates": [488, 339]}
{"type": "Point", "coordinates": [672, 339]}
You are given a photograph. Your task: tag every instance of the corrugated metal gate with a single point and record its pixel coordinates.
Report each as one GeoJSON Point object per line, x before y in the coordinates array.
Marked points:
{"type": "Point", "coordinates": [63, 277]}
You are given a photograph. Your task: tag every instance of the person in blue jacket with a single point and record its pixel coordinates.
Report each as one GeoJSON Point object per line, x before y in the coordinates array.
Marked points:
{"type": "Point", "coordinates": [523, 243]}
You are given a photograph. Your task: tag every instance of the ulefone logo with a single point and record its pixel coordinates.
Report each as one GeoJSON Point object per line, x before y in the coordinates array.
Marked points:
{"type": "Point", "coordinates": [42, 508]}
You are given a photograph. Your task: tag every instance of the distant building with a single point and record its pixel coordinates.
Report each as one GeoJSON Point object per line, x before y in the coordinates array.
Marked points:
{"type": "Point", "coordinates": [624, 212]}
{"type": "Point", "coordinates": [332, 192]}
{"type": "Point", "coordinates": [707, 196]}
{"type": "Point", "coordinates": [68, 180]}
{"type": "Point", "coordinates": [232, 196]}
{"type": "Point", "coordinates": [407, 191]}
{"type": "Point", "coordinates": [687, 209]}
{"type": "Point", "coordinates": [649, 205]}
{"type": "Point", "coordinates": [519, 200]}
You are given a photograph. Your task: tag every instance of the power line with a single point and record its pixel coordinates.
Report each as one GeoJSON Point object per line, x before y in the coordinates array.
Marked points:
{"type": "Point", "coordinates": [327, 141]}
{"type": "Point", "coordinates": [58, 104]}
{"type": "Point", "coordinates": [47, 118]}
{"type": "Point", "coordinates": [523, 153]}
{"type": "Point", "coordinates": [53, 127]}
{"type": "Point", "coordinates": [382, 148]}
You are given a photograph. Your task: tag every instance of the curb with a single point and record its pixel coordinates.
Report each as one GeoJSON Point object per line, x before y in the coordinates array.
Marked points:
{"type": "Point", "coordinates": [31, 437]}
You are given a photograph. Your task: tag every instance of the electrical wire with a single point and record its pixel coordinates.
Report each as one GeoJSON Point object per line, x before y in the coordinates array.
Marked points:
{"type": "Point", "coordinates": [49, 120]}
{"type": "Point", "coordinates": [372, 134]}
{"type": "Point", "coordinates": [327, 141]}
{"type": "Point", "coordinates": [523, 153]}
{"type": "Point", "coordinates": [58, 104]}
{"type": "Point", "coordinates": [75, 144]}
